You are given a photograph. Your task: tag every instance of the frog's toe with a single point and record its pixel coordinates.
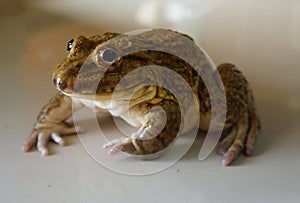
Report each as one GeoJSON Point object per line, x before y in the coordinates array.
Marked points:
{"type": "Point", "coordinates": [58, 139]}
{"type": "Point", "coordinates": [227, 142]}
{"type": "Point", "coordinates": [237, 143]}
{"type": "Point", "coordinates": [229, 157]}
{"type": "Point", "coordinates": [43, 138]}
{"type": "Point", "coordinates": [233, 152]}
{"type": "Point", "coordinates": [116, 145]}
{"type": "Point", "coordinates": [115, 142]}
{"type": "Point", "coordinates": [252, 135]}
{"type": "Point", "coordinates": [40, 138]}
{"type": "Point", "coordinates": [30, 142]}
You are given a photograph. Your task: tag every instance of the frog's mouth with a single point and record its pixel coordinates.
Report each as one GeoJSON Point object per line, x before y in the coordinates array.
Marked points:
{"type": "Point", "coordinates": [107, 88]}
{"type": "Point", "coordinates": [105, 92]}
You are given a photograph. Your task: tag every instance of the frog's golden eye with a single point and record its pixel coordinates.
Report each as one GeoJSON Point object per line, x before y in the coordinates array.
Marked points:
{"type": "Point", "coordinates": [108, 55]}
{"type": "Point", "coordinates": [70, 45]}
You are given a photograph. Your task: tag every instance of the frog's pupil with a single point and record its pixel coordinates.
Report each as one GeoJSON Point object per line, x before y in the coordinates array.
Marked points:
{"type": "Point", "coordinates": [109, 55]}
{"type": "Point", "coordinates": [70, 45]}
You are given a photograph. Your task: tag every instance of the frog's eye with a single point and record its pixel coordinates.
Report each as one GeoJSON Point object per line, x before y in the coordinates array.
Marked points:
{"type": "Point", "coordinates": [70, 45]}
{"type": "Point", "coordinates": [108, 55]}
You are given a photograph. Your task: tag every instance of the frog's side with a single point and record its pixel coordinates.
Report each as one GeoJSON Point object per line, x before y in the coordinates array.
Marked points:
{"type": "Point", "coordinates": [152, 108]}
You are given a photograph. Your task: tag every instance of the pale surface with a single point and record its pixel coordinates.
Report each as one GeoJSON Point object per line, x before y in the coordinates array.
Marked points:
{"type": "Point", "coordinates": [30, 49]}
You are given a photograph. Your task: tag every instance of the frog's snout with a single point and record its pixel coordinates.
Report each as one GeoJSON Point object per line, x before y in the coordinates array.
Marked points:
{"type": "Point", "coordinates": [59, 84]}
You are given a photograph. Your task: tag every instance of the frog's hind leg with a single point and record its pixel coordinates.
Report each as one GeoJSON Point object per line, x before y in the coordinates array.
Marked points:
{"type": "Point", "coordinates": [241, 115]}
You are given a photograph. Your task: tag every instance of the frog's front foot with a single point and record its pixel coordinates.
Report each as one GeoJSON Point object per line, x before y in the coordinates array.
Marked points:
{"type": "Point", "coordinates": [43, 132]}
{"type": "Point", "coordinates": [121, 144]}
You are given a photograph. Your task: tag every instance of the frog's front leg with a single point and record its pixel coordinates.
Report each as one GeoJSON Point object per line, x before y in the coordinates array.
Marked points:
{"type": "Point", "coordinates": [161, 124]}
{"type": "Point", "coordinates": [51, 124]}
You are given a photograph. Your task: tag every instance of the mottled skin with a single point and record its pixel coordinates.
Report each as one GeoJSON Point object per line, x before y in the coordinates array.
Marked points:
{"type": "Point", "coordinates": [154, 109]}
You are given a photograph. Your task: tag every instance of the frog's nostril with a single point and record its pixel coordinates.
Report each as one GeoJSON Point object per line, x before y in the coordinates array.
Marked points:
{"type": "Point", "coordinates": [59, 84]}
{"type": "Point", "coordinates": [62, 85]}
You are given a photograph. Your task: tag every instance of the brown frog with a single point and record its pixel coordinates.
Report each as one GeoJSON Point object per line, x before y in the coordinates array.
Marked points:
{"type": "Point", "coordinates": [93, 75]}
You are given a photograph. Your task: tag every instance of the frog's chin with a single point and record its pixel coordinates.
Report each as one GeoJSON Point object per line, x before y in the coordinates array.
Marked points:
{"type": "Point", "coordinates": [120, 94]}
{"type": "Point", "coordinates": [97, 97]}
{"type": "Point", "coordinates": [88, 95]}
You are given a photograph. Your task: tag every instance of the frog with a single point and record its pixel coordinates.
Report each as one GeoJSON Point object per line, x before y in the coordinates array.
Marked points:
{"type": "Point", "coordinates": [90, 76]}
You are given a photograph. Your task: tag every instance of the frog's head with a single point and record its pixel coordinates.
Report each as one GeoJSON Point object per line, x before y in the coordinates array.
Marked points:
{"type": "Point", "coordinates": [66, 73]}
{"type": "Point", "coordinates": [96, 65]}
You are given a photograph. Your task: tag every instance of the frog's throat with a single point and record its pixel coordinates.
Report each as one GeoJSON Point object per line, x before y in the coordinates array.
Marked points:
{"type": "Point", "coordinates": [131, 93]}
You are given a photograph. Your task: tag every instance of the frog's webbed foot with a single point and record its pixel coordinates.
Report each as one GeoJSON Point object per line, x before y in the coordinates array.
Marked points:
{"type": "Point", "coordinates": [43, 132]}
